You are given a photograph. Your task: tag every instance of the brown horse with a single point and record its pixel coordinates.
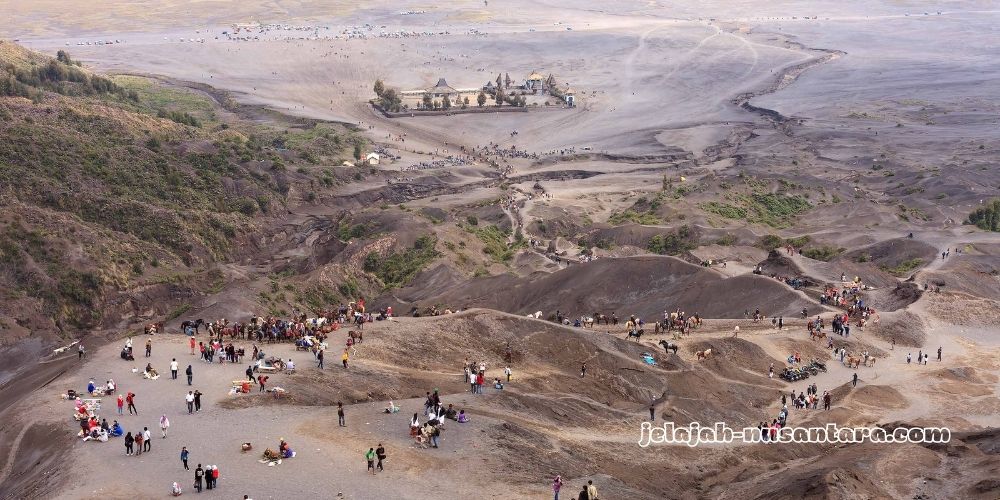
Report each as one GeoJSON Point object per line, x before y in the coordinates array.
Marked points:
{"type": "Point", "coordinates": [356, 336]}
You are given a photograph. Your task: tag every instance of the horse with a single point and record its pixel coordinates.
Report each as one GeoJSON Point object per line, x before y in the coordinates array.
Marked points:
{"type": "Point", "coordinates": [703, 354]}
{"type": "Point", "coordinates": [635, 333]}
{"type": "Point", "coordinates": [196, 324]}
{"type": "Point", "coordinates": [816, 334]}
{"type": "Point", "coordinates": [536, 315]}
{"type": "Point", "coordinates": [669, 346]}
{"type": "Point", "coordinates": [356, 336]}
{"type": "Point", "coordinates": [853, 362]}
{"type": "Point", "coordinates": [871, 361]}
{"type": "Point", "coordinates": [316, 322]}
{"type": "Point", "coordinates": [588, 322]}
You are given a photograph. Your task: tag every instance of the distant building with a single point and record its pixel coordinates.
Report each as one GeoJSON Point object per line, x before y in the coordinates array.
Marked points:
{"type": "Point", "coordinates": [372, 159]}
{"type": "Point", "coordinates": [535, 82]}
{"type": "Point", "coordinates": [441, 89]}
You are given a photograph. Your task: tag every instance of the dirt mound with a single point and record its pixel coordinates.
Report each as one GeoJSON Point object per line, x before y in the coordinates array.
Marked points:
{"type": "Point", "coordinates": [781, 265]}
{"type": "Point", "coordinates": [903, 327]}
{"type": "Point", "coordinates": [643, 286]}
{"type": "Point", "coordinates": [895, 298]}
{"type": "Point", "coordinates": [879, 396]}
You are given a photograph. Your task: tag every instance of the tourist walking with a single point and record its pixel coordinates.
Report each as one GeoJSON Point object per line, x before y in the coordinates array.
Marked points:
{"type": "Point", "coordinates": [147, 444]}
{"type": "Point", "coordinates": [164, 425]}
{"type": "Point", "coordinates": [340, 415]}
{"type": "Point", "coordinates": [121, 404]}
{"type": "Point", "coordinates": [149, 348]}
{"type": "Point", "coordinates": [557, 484]}
{"type": "Point", "coordinates": [197, 400]}
{"type": "Point", "coordinates": [583, 370]}
{"type": "Point", "coordinates": [591, 491]}
{"type": "Point", "coordinates": [130, 399]}
{"type": "Point", "coordinates": [507, 372]}
{"type": "Point", "coordinates": [80, 351]}
{"type": "Point", "coordinates": [319, 356]}
{"type": "Point", "coordinates": [199, 473]}
{"type": "Point", "coordinates": [184, 457]}
{"type": "Point", "coordinates": [854, 380]}
{"type": "Point", "coordinates": [173, 369]}
{"type": "Point", "coordinates": [189, 399]}
{"type": "Point", "coordinates": [129, 441]}
{"type": "Point", "coordinates": [343, 358]}
{"type": "Point", "coordinates": [380, 455]}
{"type": "Point", "coordinates": [370, 457]}
{"type": "Point", "coordinates": [138, 443]}
{"type": "Point", "coordinates": [190, 374]}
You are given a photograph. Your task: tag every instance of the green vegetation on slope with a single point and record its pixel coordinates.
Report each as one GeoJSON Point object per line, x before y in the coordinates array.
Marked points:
{"type": "Point", "coordinates": [674, 242]}
{"type": "Point", "coordinates": [496, 243]}
{"type": "Point", "coordinates": [632, 216]}
{"type": "Point", "coordinates": [903, 268]}
{"type": "Point", "coordinates": [399, 268]}
{"type": "Point", "coordinates": [772, 209]}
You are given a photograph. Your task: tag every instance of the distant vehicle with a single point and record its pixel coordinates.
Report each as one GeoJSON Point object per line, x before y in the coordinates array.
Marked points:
{"type": "Point", "coordinates": [569, 29]}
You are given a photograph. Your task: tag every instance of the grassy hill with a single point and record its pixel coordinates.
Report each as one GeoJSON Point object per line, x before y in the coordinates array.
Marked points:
{"type": "Point", "coordinates": [114, 183]}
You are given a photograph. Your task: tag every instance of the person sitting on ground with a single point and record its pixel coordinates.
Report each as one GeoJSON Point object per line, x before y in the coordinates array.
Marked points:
{"type": "Point", "coordinates": [450, 413]}
{"type": "Point", "coordinates": [150, 372]}
{"type": "Point", "coordinates": [392, 408]}
{"type": "Point", "coordinates": [116, 429]}
{"type": "Point", "coordinates": [497, 384]}
{"type": "Point", "coordinates": [462, 417]}
{"type": "Point", "coordinates": [175, 490]}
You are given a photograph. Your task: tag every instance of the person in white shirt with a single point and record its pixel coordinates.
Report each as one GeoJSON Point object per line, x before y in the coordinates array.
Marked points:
{"type": "Point", "coordinates": [507, 372]}
{"type": "Point", "coordinates": [146, 435]}
{"type": "Point", "coordinates": [190, 402]}
{"type": "Point", "coordinates": [173, 369]}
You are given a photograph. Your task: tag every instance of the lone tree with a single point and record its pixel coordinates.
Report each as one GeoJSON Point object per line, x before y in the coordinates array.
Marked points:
{"type": "Point", "coordinates": [465, 102]}
{"type": "Point", "coordinates": [481, 98]}
{"type": "Point", "coordinates": [390, 100]}
{"type": "Point", "coordinates": [379, 87]}
{"type": "Point", "coordinates": [357, 152]}
{"type": "Point", "coordinates": [446, 102]}
{"type": "Point", "coordinates": [428, 101]}
{"type": "Point", "coordinates": [498, 97]}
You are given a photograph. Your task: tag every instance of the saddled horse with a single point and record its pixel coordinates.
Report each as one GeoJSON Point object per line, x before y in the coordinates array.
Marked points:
{"type": "Point", "coordinates": [635, 333]}
{"type": "Point", "coordinates": [356, 336]}
{"type": "Point", "coordinates": [703, 354]}
{"type": "Point", "coordinates": [669, 346]}
{"type": "Point", "coordinates": [196, 324]}
{"type": "Point", "coordinates": [587, 322]}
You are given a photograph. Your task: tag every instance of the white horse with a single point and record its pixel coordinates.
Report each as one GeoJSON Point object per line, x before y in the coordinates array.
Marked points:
{"type": "Point", "coordinates": [704, 354]}
{"type": "Point", "coordinates": [536, 315]}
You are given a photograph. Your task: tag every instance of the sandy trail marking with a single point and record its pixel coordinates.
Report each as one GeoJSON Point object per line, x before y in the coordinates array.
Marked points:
{"type": "Point", "coordinates": [15, 446]}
